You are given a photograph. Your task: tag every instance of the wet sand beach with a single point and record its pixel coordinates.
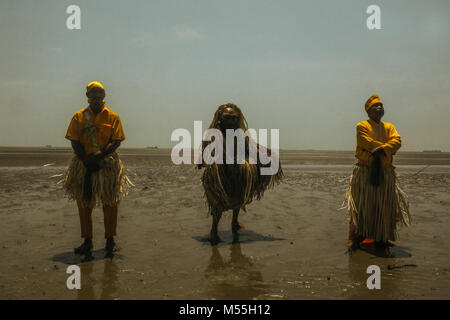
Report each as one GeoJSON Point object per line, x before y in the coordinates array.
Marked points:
{"type": "Point", "coordinates": [293, 247]}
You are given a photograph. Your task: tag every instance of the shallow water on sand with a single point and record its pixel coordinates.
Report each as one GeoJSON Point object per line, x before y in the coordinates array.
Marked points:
{"type": "Point", "coordinates": [293, 247]}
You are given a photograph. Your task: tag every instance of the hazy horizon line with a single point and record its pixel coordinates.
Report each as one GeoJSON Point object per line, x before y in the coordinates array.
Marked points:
{"type": "Point", "coordinates": [169, 148]}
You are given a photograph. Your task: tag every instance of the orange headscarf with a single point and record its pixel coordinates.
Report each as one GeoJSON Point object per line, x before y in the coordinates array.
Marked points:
{"type": "Point", "coordinates": [371, 101]}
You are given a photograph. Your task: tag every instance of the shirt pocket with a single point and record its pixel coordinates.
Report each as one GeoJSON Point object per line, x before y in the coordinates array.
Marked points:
{"type": "Point", "coordinates": [106, 130]}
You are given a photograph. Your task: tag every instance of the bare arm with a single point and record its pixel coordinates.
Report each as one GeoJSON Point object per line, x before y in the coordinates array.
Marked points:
{"type": "Point", "coordinates": [111, 147]}
{"type": "Point", "coordinates": [94, 158]}
{"type": "Point", "coordinates": [78, 149]}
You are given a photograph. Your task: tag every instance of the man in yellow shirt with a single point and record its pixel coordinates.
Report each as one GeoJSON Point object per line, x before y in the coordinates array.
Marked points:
{"type": "Point", "coordinates": [374, 199]}
{"type": "Point", "coordinates": [96, 173]}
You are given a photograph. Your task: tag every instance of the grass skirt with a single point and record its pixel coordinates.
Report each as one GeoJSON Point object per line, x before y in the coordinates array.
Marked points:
{"type": "Point", "coordinates": [232, 186]}
{"type": "Point", "coordinates": [109, 184]}
{"type": "Point", "coordinates": [376, 210]}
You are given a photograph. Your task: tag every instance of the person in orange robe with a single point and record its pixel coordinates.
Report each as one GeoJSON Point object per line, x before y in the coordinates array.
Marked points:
{"type": "Point", "coordinates": [374, 199]}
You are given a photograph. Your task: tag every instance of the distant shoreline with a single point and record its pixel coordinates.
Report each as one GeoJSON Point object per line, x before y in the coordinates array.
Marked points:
{"type": "Point", "coordinates": [156, 148]}
{"type": "Point", "coordinates": [137, 157]}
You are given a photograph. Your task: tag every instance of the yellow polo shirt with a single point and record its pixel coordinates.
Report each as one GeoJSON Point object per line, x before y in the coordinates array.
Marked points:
{"type": "Point", "coordinates": [108, 127]}
{"type": "Point", "coordinates": [370, 135]}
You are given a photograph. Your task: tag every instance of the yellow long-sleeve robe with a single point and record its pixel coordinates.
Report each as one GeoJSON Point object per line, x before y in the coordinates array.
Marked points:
{"type": "Point", "coordinates": [370, 135]}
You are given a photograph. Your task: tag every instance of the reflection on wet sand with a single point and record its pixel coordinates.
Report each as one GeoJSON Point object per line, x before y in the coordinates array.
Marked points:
{"type": "Point", "coordinates": [233, 278]}
{"type": "Point", "coordinates": [301, 211]}
{"type": "Point", "coordinates": [391, 282]}
{"type": "Point", "coordinates": [87, 282]}
{"type": "Point", "coordinates": [108, 281]}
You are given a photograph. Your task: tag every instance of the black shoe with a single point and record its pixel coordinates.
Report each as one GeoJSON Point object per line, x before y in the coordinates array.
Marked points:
{"type": "Point", "coordinates": [109, 247]}
{"type": "Point", "coordinates": [85, 248]}
{"type": "Point", "coordinates": [355, 243]}
{"type": "Point", "coordinates": [383, 244]}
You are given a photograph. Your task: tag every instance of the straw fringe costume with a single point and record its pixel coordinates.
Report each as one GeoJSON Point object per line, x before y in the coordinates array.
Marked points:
{"type": "Point", "coordinates": [109, 184]}
{"type": "Point", "coordinates": [374, 199]}
{"type": "Point", "coordinates": [233, 186]}
{"type": "Point", "coordinates": [375, 211]}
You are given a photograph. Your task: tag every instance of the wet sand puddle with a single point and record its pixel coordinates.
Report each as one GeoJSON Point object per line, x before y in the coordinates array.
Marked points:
{"type": "Point", "coordinates": [294, 246]}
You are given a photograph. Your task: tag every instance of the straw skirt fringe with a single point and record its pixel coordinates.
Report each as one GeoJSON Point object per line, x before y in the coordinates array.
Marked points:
{"type": "Point", "coordinates": [236, 185]}
{"type": "Point", "coordinates": [376, 210]}
{"type": "Point", "coordinates": [109, 184]}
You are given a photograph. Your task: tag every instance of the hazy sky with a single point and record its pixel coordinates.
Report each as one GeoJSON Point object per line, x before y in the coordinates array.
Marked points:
{"type": "Point", "coordinates": [305, 67]}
